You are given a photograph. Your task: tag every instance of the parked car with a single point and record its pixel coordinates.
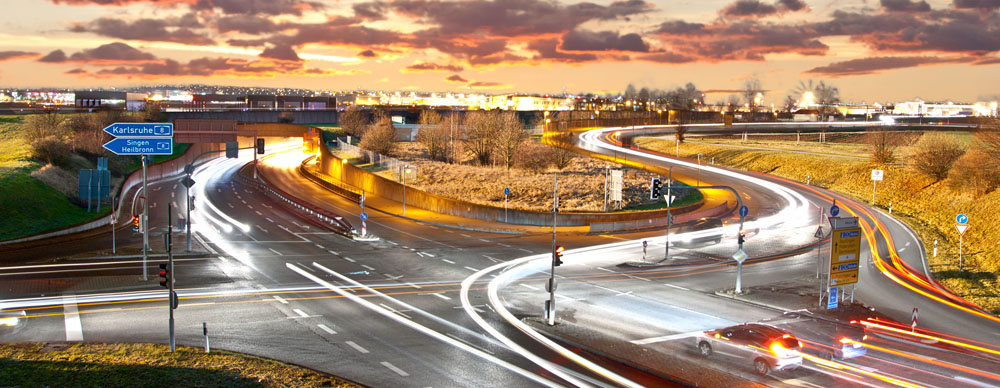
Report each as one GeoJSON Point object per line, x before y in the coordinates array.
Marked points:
{"type": "Point", "coordinates": [767, 348]}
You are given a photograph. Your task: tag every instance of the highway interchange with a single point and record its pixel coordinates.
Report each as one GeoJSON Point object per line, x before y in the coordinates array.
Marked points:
{"type": "Point", "coordinates": [427, 305]}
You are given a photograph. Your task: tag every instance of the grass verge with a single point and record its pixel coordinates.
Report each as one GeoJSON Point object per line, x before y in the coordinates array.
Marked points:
{"type": "Point", "coordinates": [143, 365]}
{"type": "Point", "coordinates": [928, 207]}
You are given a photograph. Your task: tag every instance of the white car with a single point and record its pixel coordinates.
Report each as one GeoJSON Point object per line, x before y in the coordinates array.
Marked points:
{"type": "Point", "coordinates": [766, 347]}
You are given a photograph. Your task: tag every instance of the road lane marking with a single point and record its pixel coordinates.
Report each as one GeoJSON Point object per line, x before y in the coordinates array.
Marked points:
{"type": "Point", "coordinates": [74, 330]}
{"type": "Point", "coordinates": [394, 368]}
{"type": "Point", "coordinates": [275, 252]}
{"type": "Point", "coordinates": [491, 259]}
{"type": "Point", "coordinates": [356, 346]}
{"type": "Point", "coordinates": [526, 250]}
{"type": "Point", "coordinates": [230, 205]}
{"type": "Point", "coordinates": [280, 299]}
{"type": "Point", "coordinates": [301, 313]}
{"type": "Point", "coordinates": [424, 254]}
{"type": "Point", "coordinates": [607, 289]}
{"type": "Point", "coordinates": [262, 228]}
{"type": "Point", "coordinates": [326, 328]}
{"type": "Point", "coordinates": [528, 286]}
{"type": "Point", "coordinates": [464, 235]}
{"type": "Point", "coordinates": [474, 307]}
{"type": "Point", "coordinates": [174, 203]}
{"type": "Point", "coordinates": [395, 311]}
{"type": "Point", "coordinates": [467, 342]}
{"type": "Point", "coordinates": [258, 212]}
{"type": "Point", "coordinates": [269, 219]}
{"type": "Point", "coordinates": [636, 277]}
{"type": "Point", "coordinates": [319, 246]}
{"type": "Point", "coordinates": [448, 261]}
{"type": "Point", "coordinates": [334, 253]}
{"type": "Point", "coordinates": [174, 187]}
{"type": "Point", "coordinates": [677, 287]}
{"type": "Point", "coordinates": [350, 259]}
{"type": "Point", "coordinates": [171, 194]}
{"type": "Point", "coordinates": [471, 269]}
{"type": "Point", "coordinates": [368, 267]}
{"type": "Point", "coordinates": [664, 338]}
{"type": "Point", "coordinates": [605, 269]}
{"type": "Point", "coordinates": [437, 294]}
{"type": "Point", "coordinates": [411, 285]}
{"type": "Point", "coordinates": [391, 242]}
{"type": "Point", "coordinates": [484, 240]}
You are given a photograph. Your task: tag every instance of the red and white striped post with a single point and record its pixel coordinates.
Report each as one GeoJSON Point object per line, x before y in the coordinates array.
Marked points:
{"type": "Point", "coordinates": [913, 325]}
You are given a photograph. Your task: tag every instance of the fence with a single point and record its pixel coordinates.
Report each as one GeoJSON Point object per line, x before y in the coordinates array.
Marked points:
{"type": "Point", "coordinates": [377, 160]}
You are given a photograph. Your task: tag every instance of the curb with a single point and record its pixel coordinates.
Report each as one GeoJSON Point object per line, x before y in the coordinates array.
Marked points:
{"type": "Point", "coordinates": [151, 255]}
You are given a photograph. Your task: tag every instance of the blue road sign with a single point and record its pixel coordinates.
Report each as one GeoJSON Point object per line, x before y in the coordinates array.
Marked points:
{"type": "Point", "coordinates": [159, 130]}
{"type": "Point", "coordinates": [962, 219]}
{"type": "Point", "coordinates": [146, 146]}
{"type": "Point", "coordinates": [364, 216]}
{"type": "Point", "coordinates": [834, 210]}
{"type": "Point", "coordinates": [831, 303]}
{"type": "Point", "coordinates": [744, 211]}
{"type": "Point", "coordinates": [644, 243]}
{"type": "Point", "coordinates": [506, 191]}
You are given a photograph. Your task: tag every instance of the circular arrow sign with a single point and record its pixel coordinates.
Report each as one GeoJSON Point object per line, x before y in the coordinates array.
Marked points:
{"type": "Point", "coordinates": [644, 243]}
{"type": "Point", "coordinates": [744, 211]}
{"type": "Point", "coordinates": [364, 216]}
{"type": "Point", "coordinates": [506, 191]}
{"type": "Point", "coordinates": [834, 210]}
{"type": "Point", "coordinates": [962, 219]}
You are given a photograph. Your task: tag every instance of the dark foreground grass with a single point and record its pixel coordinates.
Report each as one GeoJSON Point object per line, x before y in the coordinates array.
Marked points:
{"type": "Point", "coordinates": [145, 365]}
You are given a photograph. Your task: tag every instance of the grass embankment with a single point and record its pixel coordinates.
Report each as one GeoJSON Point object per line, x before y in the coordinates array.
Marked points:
{"type": "Point", "coordinates": [928, 207]}
{"type": "Point", "coordinates": [29, 206]}
{"type": "Point", "coordinates": [144, 365]}
{"type": "Point", "coordinates": [581, 184]}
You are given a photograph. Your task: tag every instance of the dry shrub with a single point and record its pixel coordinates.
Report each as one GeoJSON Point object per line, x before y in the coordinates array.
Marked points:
{"type": "Point", "coordinates": [434, 136]}
{"type": "Point", "coordinates": [883, 146]}
{"type": "Point", "coordinates": [354, 122]}
{"type": "Point", "coordinates": [976, 171]}
{"type": "Point", "coordinates": [934, 155]}
{"type": "Point", "coordinates": [52, 150]}
{"type": "Point", "coordinates": [40, 126]}
{"type": "Point", "coordinates": [534, 157]}
{"type": "Point", "coordinates": [562, 157]}
{"type": "Point", "coordinates": [380, 137]}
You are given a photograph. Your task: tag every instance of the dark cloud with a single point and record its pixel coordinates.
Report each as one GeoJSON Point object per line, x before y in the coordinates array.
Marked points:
{"type": "Point", "coordinates": [971, 32]}
{"type": "Point", "coordinates": [874, 65]}
{"type": "Point", "coordinates": [680, 28]}
{"type": "Point", "coordinates": [367, 54]}
{"type": "Point", "coordinates": [247, 42]}
{"type": "Point", "coordinates": [144, 29]}
{"type": "Point", "coordinates": [257, 7]}
{"type": "Point", "coordinates": [988, 61]}
{"type": "Point", "coordinates": [11, 55]}
{"type": "Point", "coordinates": [508, 18]}
{"type": "Point", "coordinates": [56, 56]}
{"type": "Point", "coordinates": [247, 24]}
{"type": "Point", "coordinates": [980, 4]}
{"type": "Point", "coordinates": [347, 35]}
{"type": "Point", "coordinates": [792, 5]}
{"type": "Point", "coordinates": [280, 52]}
{"type": "Point", "coordinates": [744, 40]}
{"type": "Point", "coordinates": [579, 40]}
{"type": "Point", "coordinates": [164, 3]}
{"type": "Point", "coordinates": [667, 57]}
{"type": "Point", "coordinates": [489, 85]}
{"type": "Point", "coordinates": [748, 8]}
{"type": "Point", "coordinates": [456, 78]}
{"type": "Point", "coordinates": [429, 67]}
{"type": "Point", "coordinates": [111, 53]}
{"type": "Point", "coordinates": [77, 71]}
{"type": "Point", "coordinates": [210, 67]}
{"type": "Point", "coordinates": [905, 6]}
{"type": "Point", "coordinates": [546, 49]}
{"type": "Point", "coordinates": [375, 10]}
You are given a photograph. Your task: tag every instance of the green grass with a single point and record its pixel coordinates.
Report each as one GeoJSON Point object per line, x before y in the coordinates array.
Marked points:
{"type": "Point", "coordinates": [28, 206]}
{"type": "Point", "coordinates": [142, 365]}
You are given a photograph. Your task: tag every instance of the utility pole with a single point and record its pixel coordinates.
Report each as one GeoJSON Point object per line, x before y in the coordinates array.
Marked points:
{"type": "Point", "coordinates": [145, 223]}
{"type": "Point", "coordinates": [171, 297]}
{"type": "Point", "coordinates": [670, 218]}
{"type": "Point", "coordinates": [606, 170]}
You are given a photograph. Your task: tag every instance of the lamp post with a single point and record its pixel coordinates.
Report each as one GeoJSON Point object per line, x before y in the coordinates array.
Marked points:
{"type": "Point", "coordinates": [699, 169]}
{"type": "Point", "coordinates": [406, 170]}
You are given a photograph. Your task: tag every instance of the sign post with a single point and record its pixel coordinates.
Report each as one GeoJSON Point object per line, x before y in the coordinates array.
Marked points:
{"type": "Point", "coordinates": [506, 193]}
{"type": "Point", "coordinates": [644, 244]}
{"type": "Point", "coordinates": [142, 139]}
{"type": "Point", "coordinates": [961, 223]}
{"type": "Point", "coordinates": [845, 253]}
{"type": "Point", "coordinates": [876, 177]}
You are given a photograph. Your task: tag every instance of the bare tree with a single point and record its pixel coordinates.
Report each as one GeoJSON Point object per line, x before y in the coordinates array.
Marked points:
{"type": "Point", "coordinates": [433, 135]}
{"type": "Point", "coordinates": [679, 133]}
{"type": "Point", "coordinates": [562, 157]}
{"type": "Point", "coordinates": [354, 122]}
{"type": "Point", "coordinates": [534, 157]}
{"type": "Point", "coordinates": [380, 136]}
{"type": "Point", "coordinates": [480, 132]}
{"type": "Point", "coordinates": [40, 126]}
{"type": "Point", "coordinates": [510, 136]}
{"type": "Point", "coordinates": [752, 90]}
{"type": "Point", "coordinates": [883, 146]}
{"type": "Point", "coordinates": [935, 154]}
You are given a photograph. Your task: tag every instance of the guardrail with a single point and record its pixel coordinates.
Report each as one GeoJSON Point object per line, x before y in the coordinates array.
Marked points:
{"type": "Point", "coordinates": [336, 222]}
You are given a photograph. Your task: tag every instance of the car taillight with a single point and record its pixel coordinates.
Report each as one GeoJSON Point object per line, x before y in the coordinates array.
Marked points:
{"type": "Point", "coordinates": [865, 338]}
{"type": "Point", "coordinates": [845, 341]}
{"type": "Point", "coordinates": [781, 351]}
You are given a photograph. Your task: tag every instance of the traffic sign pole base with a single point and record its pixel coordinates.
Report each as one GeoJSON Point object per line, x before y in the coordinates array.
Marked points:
{"type": "Point", "coordinates": [365, 237]}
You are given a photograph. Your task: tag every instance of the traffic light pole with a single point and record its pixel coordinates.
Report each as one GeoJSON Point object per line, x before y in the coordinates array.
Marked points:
{"type": "Point", "coordinates": [550, 308]}
{"type": "Point", "coordinates": [670, 182]}
{"type": "Point", "coordinates": [170, 282]}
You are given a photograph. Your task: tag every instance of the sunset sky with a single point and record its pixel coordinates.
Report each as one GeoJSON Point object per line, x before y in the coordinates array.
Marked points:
{"type": "Point", "coordinates": [874, 51]}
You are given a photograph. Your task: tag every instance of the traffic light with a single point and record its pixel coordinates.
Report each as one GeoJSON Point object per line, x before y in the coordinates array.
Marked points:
{"type": "Point", "coordinates": [164, 275]}
{"type": "Point", "coordinates": [135, 223]}
{"type": "Point", "coordinates": [654, 188]}
{"type": "Point", "coordinates": [260, 146]}
{"type": "Point", "coordinates": [741, 237]}
{"type": "Point", "coordinates": [557, 255]}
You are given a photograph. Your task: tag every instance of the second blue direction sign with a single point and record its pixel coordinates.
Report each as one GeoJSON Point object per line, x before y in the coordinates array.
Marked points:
{"type": "Point", "coordinates": [146, 146]}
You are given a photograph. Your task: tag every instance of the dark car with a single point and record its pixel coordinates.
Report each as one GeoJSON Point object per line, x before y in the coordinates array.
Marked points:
{"type": "Point", "coordinates": [767, 348]}
{"type": "Point", "coordinates": [703, 232]}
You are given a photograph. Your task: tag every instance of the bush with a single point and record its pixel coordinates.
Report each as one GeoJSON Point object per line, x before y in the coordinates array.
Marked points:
{"type": "Point", "coordinates": [534, 157]}
{"type": "Point", "coordinates": [883, 146]}
{"type": "Point", "coordinates": [562, 157]}
{"type": "Point", "coordinates": [40, 126]}
{"type": "Point", "coordinates": [354, 122]}
{"type": "Point", "coordinates": [52, 150]}
{"type": "Point", "coordinates": [380, 137]}
{"type": "Point", "coordinates": [934, 155]}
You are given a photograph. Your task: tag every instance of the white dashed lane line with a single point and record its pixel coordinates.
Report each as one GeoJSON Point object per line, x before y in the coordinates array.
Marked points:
{"type": "Point", "coordinates": [280, 299]}
{"type": "Point", "coordinates": [326, 328]}
{"type": "Point", "coordinates": [275, 252]}
{"type": "Point", "coordinates": [448, 261]}
{"type": "Point", "coordinates": [301, 313]}
{"type": "Point", "coordinates": [350, 259]}
{"type": "Point", "coordinates": [368, 267]}
{"type": "Point", "coordinates": [471, 269]}
{"type": "Point", "coordinates": [356, 346]}
{"type": "Point", "coordinates": [394, 369]}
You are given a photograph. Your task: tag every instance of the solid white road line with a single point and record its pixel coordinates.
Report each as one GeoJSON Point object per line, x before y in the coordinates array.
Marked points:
{"type": "Point", "coordinates": [275, 252]}
{"type": "Point", "coordinates": [394, 369]}
{"type": "Point", "coordinates": [326, 328]}
{"type": "Point", "coordinates": [280, 299]}
{"type": "Point", "coordinates": [74, 330]}
{"type": "Point", "coordinates": [525, 285]}
{"type": "Point", "coordinates": [653, 340]}
{"type": "Point", "coordinates": [440, 295]}
{"type": "Point", "coordinates": [677, 287]}
{"type": "Point", "coordinates": [356, 346]}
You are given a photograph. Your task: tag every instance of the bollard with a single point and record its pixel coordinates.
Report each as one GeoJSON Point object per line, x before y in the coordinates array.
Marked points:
{"type": "Point", "coordinates": [204, 330]}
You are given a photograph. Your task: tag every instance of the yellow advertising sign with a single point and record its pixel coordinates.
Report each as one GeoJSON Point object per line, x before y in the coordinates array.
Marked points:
{"type": "Point", "coordinates": [845, 256]}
